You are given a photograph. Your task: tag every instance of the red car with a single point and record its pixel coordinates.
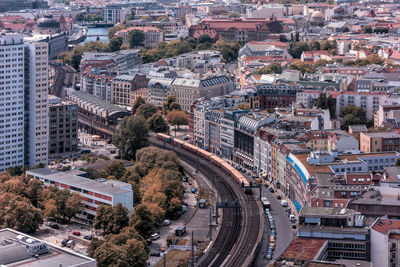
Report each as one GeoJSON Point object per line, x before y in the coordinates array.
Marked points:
{"type": "Point", "coordinates": [76, 233]}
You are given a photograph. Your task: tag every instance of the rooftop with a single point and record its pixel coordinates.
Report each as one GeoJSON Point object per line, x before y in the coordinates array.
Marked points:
{"type": "Point", "coordinates": [304, 249]}
{"type": "Point", "coordinates": [75, 178]}
{"type": "Point", "coordinates": [13, 253]}
{"type": "Point", "coordinates": [319, 211]}
{"type": "Point", "coordinates": [384, 225]}
{"type": "Point", "coordinates": [383, 135]}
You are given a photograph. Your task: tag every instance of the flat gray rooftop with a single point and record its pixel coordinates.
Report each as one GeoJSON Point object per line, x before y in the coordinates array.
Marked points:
{"type": "Point", "coordinates": [15, 254]}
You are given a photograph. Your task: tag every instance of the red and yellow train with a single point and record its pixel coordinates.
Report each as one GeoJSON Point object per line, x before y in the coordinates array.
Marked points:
{"type": "Point", "coordinates": [214, 159]}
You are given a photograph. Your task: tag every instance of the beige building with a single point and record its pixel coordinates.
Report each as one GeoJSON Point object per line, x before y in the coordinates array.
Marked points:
{"type": "Point", "coordinates": [123, 86]}
{"type": "Point", "coordinates": [187, 90]}
{"type": "Point", "coordinates": [379, 142]}
{"type": "Point", "coordinates": [152, 35]}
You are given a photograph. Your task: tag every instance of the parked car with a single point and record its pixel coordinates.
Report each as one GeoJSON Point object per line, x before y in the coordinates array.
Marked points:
{"type": "Point", "coordinates": [155, 236]}
{"type": "Point", "coordinates": [70, 243]}
{"type": "Point", "coordinates": [55, 226]}
{"type": "Point", "coordinates": [64, 242]}
{"type": "Point", "coordinates": [113, 151]}
{"type": "Point", "coordinates": [284, 203]}
{"type": "Point", "coordinates": [77, 233]}
{"type": "Point", "coordinates": [269, 256]}
{"type": "Point", "coordinates": [155, 254]}
{"type": "Point", "coordinates": [166, 222]}
{"type": "Point", "coordinates": [193, 190]}
{"type": "Point", "coordinates": [48, 224]}
{"type": "Point", "coordinates": [88, 237]}
{"type": "Point", "coordinates": [271, 190]}
{"type": "Point", "coordinates": [279, 197]}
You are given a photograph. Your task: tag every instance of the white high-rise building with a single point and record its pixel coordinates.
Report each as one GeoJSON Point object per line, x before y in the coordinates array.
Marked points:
{"type": "Point", "coordinates": [36, 112]}
{"type": "Point", "coordinates": [23, 112]}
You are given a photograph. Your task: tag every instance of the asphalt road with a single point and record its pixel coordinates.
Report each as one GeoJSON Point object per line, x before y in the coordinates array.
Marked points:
{"type": "Point", "coordinates": [284, 232]}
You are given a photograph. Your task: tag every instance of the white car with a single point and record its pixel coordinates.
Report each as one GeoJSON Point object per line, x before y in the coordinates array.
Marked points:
{"type": "Point", "coordinates": [166, 222]}
{"type": "Point", "coordinates": [155, 236]}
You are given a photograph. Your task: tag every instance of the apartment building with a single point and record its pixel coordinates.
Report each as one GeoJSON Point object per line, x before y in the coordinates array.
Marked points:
{"type": "Point", "coordinates": [112, 14]}
{"type": "Point", "coordinates": [187, 90]}
{"type": "Point", "coordinates": [379, 142]}
{"type": "Point", "coordinates": [385, 242]}
{"type": "Point", "coordinates": [63, 135]}
{"type": "Point", "coordinates": [276, 95]}
{"type": "Point", "coordinates": [94, 192]}
{"type": "Point", "coordinates": [152, 35]}
{"type": "Point", "coordinates": [159, 90]}
{"type": "Point", "coordinates": [23, 98]}
{"type": "Point", "coordinates": [385, 113]}
{"type": "Point", "coordinates": [346, 231]}
{"type": "Point", "coordinates": [123, 87]}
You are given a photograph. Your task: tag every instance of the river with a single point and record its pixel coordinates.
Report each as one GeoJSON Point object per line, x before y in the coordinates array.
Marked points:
{"type": "Point", "coordinates": [95, 31]}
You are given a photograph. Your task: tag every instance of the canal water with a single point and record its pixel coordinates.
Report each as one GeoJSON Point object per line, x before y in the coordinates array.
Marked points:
{"type": "Point", "coordinates": [91, 32]}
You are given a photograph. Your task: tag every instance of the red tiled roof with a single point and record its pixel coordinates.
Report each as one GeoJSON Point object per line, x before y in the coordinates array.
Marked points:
{"type": "Point", "coordinates": [395, 55]}
{"type": "Point", "coordinates": [303, 249]}
{"type": "Point", "coordinates": [384, 225]}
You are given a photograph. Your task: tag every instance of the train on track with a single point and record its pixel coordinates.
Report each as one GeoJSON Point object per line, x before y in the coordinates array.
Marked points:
{"type": "Point", "coordinates": [214, 159]}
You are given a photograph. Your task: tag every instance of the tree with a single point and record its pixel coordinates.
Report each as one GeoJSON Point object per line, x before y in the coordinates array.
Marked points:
{"type": "Point", "coordinates": [138, 102]}
{"type": "Point", "coordinates": [119, 217]}
{"type": "Point", "coordinates": [19, 214]}
{"type": "Point", "coordinates": [175, 106]}
{"type": "Point", "coordinates": [296, 49]}
{"type": "Point", "coordinates": [315, 46]}
{"type": "Point", "coordinates": [146, 110]}
{"type": "Point", "coordinates": [398, 162]}
{"type": "Point", "coordinates": [166, 106]}
{"type": "Point", "coordinates": [73, 206]}
{"type": "Point", "coordinates": [103, 218]}
{"type": "Point", "coordinates": [136, 255]}
{"type": "Point", "coordinates": [142, 220]}
{"type": "Point", "coordinates": [15, 171]}
{"type": "Point", "coordinates": [76, 60]}
{"type": "Point", "coordinates": [50, 209]}
{"type": "Point", "coordinates": [177, 118]}
{"type": "Point", "coordinates": [68, 204]}
{"type": "Point", "coordinates": [131, 135]}
{"type": "Point", "coordinates": [136, 38]}
{"type": "Point", "coordinates": [158, 124]}
{"type": "Point", "coordinates": [367, 29]}
{"type": "Point", "coordinates": [327, 103]}
{"type": "Point", "coordinates": [352, 115]}
{"type": "Point", "coordinates": [228, 49]}
{"type": "Point", "coordinates": [204, 38]}
{"type": "Point", "coordinates": [234, 15]}
{"type": "Point", "coordinates": [109, 254]}
{"type": "Point", "coordinates": [302, 67]}
{"type": "Point", "coordinates": [274, 67]}
{"type": "Point", "coordinates": [94, 244]}
{"type": "Point", "coordinates": [115, 43]}
{"type": "Point", "coordinates": [115, 169]}
{"type": "Point", "coordinates": [132, 15]}
{"type": "Point", "coordinates": [113, 30]}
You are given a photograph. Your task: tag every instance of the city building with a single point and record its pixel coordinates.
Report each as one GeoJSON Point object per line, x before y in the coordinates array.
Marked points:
{"type": "Point", "coordinates": [385, 113]}
{"type": "Point", "coordinates": [24, 116]}
{"type": "Point", "coordinates": [379, 142]}
{"type": "Point", "coordinates": [276, 95]}
{"type": "Point", "coordinates": [152, 35]}
{"type": "Point", "coordinates": [237, 29]}
{"type": "Point", "coordinates": [345, 230]}
{"type": "Point", "coordinates": [96, 116]}
{"type": "Point", "coordinates": [19, 249]}
{"type": "Point", "coordinates": [94, 192]}
{"type": "Point", "coordinates": [187, 90]}
{"type": "Point", "coordinates": [159, 90]}
{"type": "Point", "coordinates": [385, 242]}
{"type": "Point", "coordinates": [123, 87]}
{"type": "Point", "coordinates": [63, 127]}
{"type": "Point", "coordinates": [112, 14]}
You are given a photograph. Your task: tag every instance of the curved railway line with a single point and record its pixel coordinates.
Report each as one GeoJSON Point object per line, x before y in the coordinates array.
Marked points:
{"type": "Point", "coordinates": [239, 237]}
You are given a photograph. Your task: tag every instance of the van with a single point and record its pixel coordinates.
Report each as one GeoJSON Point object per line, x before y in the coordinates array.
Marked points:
{"type": "Point", "coordinates": [180, 230]}
{"type": "Point", "coordinates": [292, 218]}
{"type": "Point", "coordinates": [284, 203]}
{"type": "Point", "coordinates": [70, 243]}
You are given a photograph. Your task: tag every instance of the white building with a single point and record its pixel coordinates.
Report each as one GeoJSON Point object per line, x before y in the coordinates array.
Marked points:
{"type": "Point", "coordinates": [23, 95]}
{"type": "Point", "coordinates": [112, 14]}
{"type": "Point", "coordinates": [385, 242]}
{"type": "Point", "coordinates": [94, 192]}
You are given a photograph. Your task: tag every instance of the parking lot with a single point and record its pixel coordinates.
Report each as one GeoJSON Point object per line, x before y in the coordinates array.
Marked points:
{"type": "Point", "coordinates": [56, 236]}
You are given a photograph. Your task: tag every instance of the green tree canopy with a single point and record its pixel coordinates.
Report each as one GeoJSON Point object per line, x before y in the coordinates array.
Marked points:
{"type": "Point", "coordinates": [146, 110]}
{"type": "Point", "coordinates": [177, 118]}
{"type": "Point", "coordinates": [352, 115]}
{"type": "Point", "coordinates": [274, 67]}
{"type": "Point", "coordinates": [136, 38]}
{"type": "Point", "coordinates": [115, 169]}
{"type": "Point", "coordinates": [158, 124]}
{"type": "Point", "coordinates": [142, 220]}
{"type": "Point", "coordinates": [115, 43]}
{"type": "Point", "coordinates": [131, 135]}
{"type": "Point", "coordinates": [138, 102]}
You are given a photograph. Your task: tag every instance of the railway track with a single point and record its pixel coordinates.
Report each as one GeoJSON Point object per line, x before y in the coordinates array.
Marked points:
{"type": "Point", "coordinates": [239, 235]}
